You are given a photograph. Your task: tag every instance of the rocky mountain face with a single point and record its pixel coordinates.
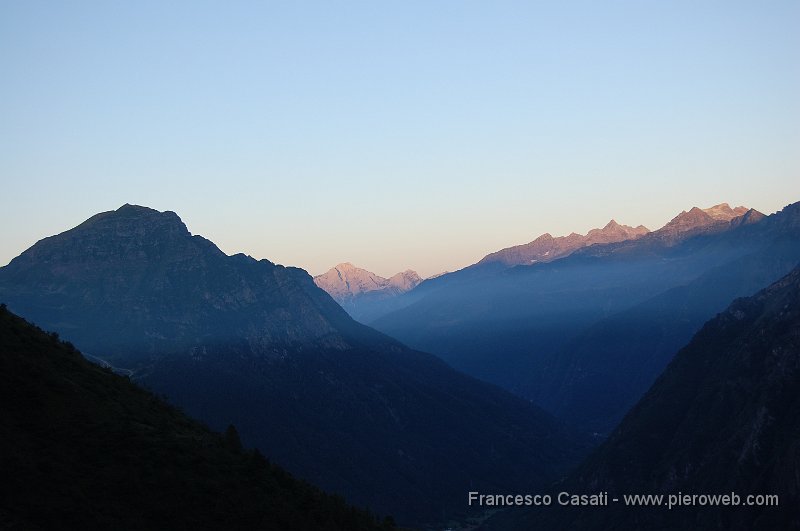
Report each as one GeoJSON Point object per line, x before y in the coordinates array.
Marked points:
{"type": "Point", "coordinates": [546, 248]}
{"type": "Point", "coordinates": [361, 292]}
{"type": "Point", "coordinates": [723, 417]}
{"type": "Point", "coordinates": [724, 212]}
{"type": "Point", "coordinates": [688, 224]}
{"type": "Point", "coordinates": [346, 281]}
{"type": "Point", "coordinates": [696, 221]}
{"type": "Point", "coordinates": [132, 284]}
{"type": "Point", "coordinates": [231, 339]}
{"type": "Point", "coordinates": [613, 238]}
{"type": "Point", "coordinates": [751, 216]}
{"type": "Point", "coordinates": [404, 281]}
{"type": "Point", "coordinates": [83, 448]}
{"type": "Point", "coordinates": [586, 335]}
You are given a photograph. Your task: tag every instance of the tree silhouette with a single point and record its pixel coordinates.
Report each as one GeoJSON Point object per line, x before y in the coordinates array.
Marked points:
{"type": "Point", "coordinates": [231, 439]}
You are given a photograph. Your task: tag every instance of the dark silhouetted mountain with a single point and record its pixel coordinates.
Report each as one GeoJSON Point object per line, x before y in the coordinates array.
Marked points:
{"type": "Point", "coordinates": [236, 340]}
{"type": "Point", "coordinates": [584, 336]}
{"type": "Point", "coordinates": [723, 417]}
{"type": "Point", "coordinates": [83, 448]}
{"type": "Point", "coordinates": [364, 294]}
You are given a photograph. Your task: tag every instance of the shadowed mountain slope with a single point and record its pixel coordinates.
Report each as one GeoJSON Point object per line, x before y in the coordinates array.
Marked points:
{"type": "Point", "coordinates": [83, 448]}
{"type": "Point", "coordinates": [723, 417]}
{"type": "Point", "coordinates": [585, 335]}
{"type": "Point", "coordinates": [236, 340]}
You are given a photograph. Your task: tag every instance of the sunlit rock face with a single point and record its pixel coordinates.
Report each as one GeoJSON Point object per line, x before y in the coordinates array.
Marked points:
{"type": "Point", "coordinates": [546, 248]}
{"type": "Point", "coordinates": [363, 294]}
{"type": "Point", "coordinates": [346, 281]}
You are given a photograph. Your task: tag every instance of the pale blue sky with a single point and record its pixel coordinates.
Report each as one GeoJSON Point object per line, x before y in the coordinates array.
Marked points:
{"type": "Point", "coordinates": [393, 134]}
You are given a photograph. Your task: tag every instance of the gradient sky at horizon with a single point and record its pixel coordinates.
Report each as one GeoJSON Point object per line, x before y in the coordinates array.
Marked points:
{"type": "Point", "coordinates": [393, 135]}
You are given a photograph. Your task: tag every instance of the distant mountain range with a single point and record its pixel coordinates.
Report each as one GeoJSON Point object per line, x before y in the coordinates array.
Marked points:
{"type": "Point", "coordinates": [235, 340]}
{"type": "Point", "coordinates": [83, 448]}
{"type": "Point", "coordinates": [723, 418]}
{"type": "Point", "coordinates": [367, 296]}
{"type": "Point", "coordinates": [362, 293]}
{"type": "Point", "coordinates": [545, 248]}
{"type": "Point", "coordinates": [696, 221]}
{"type": "Point", "coordinates": [585, 335]}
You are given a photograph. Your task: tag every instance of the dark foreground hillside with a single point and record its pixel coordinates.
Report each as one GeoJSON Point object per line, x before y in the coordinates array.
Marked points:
{"type": "Point", "coordinates": [723, 418]}
{"type": "Point", "coordinates": [83, 448]}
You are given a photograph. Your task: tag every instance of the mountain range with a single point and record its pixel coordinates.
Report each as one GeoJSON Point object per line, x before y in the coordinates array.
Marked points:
{"type": "Point", "coordinates": [367, 296]}
{"type": "Point", "coordinates": [237, 341]}
{"type": "Point", "coordinates": [234, 340]}
{"type": "Point", "coordinates": [545, 248]}
{"type": "Point", "coordinates": [364, 294]}
{"type": "Point", "coordinates": [584, 336]}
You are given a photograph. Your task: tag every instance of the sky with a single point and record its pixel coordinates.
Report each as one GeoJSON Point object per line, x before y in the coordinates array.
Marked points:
{"type": "Point", "coordinates": [390, 134]}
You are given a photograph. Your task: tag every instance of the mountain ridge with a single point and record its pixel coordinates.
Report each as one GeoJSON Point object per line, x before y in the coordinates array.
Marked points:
{"type": "Point", "coordinates": [236, 340]}
{"type": "Point", "coordinates": [602, 322]}
{"type": "Point", "coordinates": [546, 248]}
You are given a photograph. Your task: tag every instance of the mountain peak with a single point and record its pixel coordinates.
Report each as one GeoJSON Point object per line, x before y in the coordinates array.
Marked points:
{"type": "Point", "coordinates": [128, 213]}
{"type": "Point", "coordinates": [749, 217]}
{"type": "Point", "coordinates": [704, 217]}
{"type": "Point", "coordinates": [546, 248]}
{"type": "Point", "coordinates": [141, 212]}
{"type": "Point", "coordinates": [724, 212]}
{"type": "Point", "coordinates": [405, 280]}
{"type": "Point", "coordinates": [130, 235]}
{"type": "Point", "coordinates": [702, 220]}
{"type": "Point", "coordinates": [614, 232]}
{"type": "Point", "coordinates": [128, 207]}
{"type": "Point", "coordinates": [695, 217]}
{"type": "Point", "coordinates": [346, 281]}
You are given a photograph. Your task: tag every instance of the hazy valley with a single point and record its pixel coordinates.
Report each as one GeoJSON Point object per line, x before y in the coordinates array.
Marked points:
{"type": "Point", "coordinates": [399, 266]}
{"type": "Point", "coordinates": [580, 325]}
{"type": "Point", "coordinates": [586, 335]}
